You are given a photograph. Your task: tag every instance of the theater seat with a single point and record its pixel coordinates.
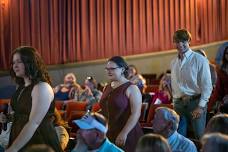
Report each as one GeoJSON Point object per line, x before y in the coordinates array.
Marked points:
{"type": "Point", "coordinates": [74, 106]}
{"type": "Point", "coordinates": [96, 107]}
{"type": "Point", "coordinates": [74, 110]}
{"type": "Point", "coordinates": [151, 88]}
{"type": "Point", "coordinates": [3, 104]}
{"type": "Point", "coordinates": [59, 104]}
{"type": "Point", "coordinates": [144, 108]}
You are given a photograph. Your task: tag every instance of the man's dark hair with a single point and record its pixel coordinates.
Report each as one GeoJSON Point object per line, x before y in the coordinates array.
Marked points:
{"type": "Point", "coordinates": [182, 35]}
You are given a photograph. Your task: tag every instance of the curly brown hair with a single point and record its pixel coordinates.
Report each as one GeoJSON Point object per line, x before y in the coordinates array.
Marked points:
{"type": "Point", "coordinates": [35, 68]}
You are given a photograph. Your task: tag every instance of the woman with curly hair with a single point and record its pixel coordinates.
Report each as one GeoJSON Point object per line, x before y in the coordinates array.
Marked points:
{"type": "Point", "coordinates": [32, 103]}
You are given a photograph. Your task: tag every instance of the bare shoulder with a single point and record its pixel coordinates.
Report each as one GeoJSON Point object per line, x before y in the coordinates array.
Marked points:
{"type": "Point", "coordinates": [42, 87]}
{"type": "Point", "coordinates": [133, 89]}
{"type": "Point", "coordinates": [134, 94]}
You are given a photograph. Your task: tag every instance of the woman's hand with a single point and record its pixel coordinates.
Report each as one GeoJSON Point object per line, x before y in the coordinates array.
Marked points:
{"type": "Point", "coordinates": [3, 118]}
{"type": "Point", "coordinates": [121, 139]}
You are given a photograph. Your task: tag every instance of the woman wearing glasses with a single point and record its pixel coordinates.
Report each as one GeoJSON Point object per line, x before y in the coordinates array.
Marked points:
{"type": "Point", "coordinates": [121, 105]}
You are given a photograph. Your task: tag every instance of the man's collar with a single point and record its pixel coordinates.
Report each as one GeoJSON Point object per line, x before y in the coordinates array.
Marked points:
{"type": "Point", "coordinates": [172, 137]}
{"type": "Point", "coordinates": [186, 54]}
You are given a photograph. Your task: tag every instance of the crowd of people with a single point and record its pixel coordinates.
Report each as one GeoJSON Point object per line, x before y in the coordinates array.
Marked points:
{"type": "Point", "coordinates": [193, 84]}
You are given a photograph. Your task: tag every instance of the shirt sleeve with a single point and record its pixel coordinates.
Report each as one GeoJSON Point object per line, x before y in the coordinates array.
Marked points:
{"type": "Point", "coordinates": [204, 80]}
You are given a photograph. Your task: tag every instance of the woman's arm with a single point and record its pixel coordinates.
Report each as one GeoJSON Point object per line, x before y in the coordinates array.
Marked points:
{"type": "Point", "coordinates": [42, 96]}
{"type": "Point", "coordinates": [135, 98]}
{"type": "Point", "coordinates": [57, 88]}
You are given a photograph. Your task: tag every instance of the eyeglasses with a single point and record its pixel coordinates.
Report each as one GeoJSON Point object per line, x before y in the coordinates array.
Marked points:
{"type": "Point", "coordinates": [111, 69]}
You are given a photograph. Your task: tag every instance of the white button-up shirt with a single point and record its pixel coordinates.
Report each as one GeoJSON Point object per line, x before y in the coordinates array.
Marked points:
{"type": "Point", "coordinates": [191, 76]}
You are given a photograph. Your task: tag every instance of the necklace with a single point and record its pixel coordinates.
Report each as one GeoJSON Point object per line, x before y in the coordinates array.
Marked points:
{"type": "Point", "coordinates": [19, 96]}
{"type": "Point", "coordinates": [112, 84]}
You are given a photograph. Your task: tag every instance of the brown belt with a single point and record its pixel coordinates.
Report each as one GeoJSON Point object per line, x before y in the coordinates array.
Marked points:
{"type": "Point", "coordinates": [187, 98]}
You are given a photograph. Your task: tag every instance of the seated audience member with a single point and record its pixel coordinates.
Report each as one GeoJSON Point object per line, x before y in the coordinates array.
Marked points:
{"type": "Point", "coordinates": [221, 88]}
{"type": "Point", "coordinates": [60, 127]}
{"type": "Point", "coordinates": [218, 123]}
{"type": "Point", "coordinates": [92, 134]}
{"type": "Point", "coordinates": [164, 95]}
{"type": "Point", "coordinates": [152, 142]}
{"type": "Point", "coordinates": [224, 107]}
{"type": "Point", "coordinates": [136, 78]}
{"type": "Point", "coordinates": [214, 142]}
{"type": "Point", "coordinates": [212, 67]}
{"type": "Point", "coordinates": [90, 94]}
{"type": "Point", "coordinates": [220, 52]}
{"type": "Point", "coordinates": [165, 123]}
{"type": "Point", "coordinates": [69, 90]}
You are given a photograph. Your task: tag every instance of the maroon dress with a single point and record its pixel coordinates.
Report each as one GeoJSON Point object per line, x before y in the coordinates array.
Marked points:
{"type": "Point", "coordinates": [116, 108]}
{"type": "Point", "coordinates": [21, 103]}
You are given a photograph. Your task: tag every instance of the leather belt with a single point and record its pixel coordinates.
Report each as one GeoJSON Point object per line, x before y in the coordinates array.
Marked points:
{"type": "Point", "coordinates": [187, 98]}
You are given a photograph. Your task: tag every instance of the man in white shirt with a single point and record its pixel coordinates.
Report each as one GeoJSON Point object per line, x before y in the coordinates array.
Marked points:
{"type": "Point", "coordinates": [191, 83]}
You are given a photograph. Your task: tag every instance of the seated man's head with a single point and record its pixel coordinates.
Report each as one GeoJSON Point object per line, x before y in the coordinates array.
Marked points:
{"type": "Point", "coordinates": [93, 129]}
{"type": "Point", "coordinates": [218, 123]}
{"type": "Point", "coordinates": [90, 82]}
{"type": "Point", "coordinates": [152, 142]}
{"type": "Point", "coordinates": [165, 121]}
{"type": "Point", "coordinates": [214, 142]}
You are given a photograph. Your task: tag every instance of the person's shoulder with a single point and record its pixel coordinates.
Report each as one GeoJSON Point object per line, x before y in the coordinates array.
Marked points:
{"type": "Point", "coordinates": [42, 86]}
{"type": "Point", "coordinates": [186, 142]}
{"type": "Point", "coordinates": [132, 87]}
{"type": "Point", "coordinates": [173, 61]}
{"type": "Point", "coordinates": [109, 146]}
